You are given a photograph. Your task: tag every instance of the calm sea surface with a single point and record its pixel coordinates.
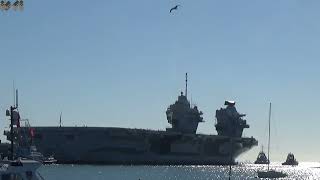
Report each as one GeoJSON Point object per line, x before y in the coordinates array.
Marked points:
{"type": "Point", "coordinates": [243, 171]}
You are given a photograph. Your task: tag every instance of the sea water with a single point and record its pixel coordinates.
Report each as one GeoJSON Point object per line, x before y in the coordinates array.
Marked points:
{"type": "Point", "coordinates": [239, 172]}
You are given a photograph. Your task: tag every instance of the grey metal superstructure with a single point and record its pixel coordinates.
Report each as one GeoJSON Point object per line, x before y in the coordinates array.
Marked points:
{"type": "Point", "coordinates": [183, 117]}
{"type": "Point", "coordinates": [176, 145]}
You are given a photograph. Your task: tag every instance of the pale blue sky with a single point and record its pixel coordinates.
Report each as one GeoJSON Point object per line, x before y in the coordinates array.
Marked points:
{"type": "Point", "coordinates": [122, 62]}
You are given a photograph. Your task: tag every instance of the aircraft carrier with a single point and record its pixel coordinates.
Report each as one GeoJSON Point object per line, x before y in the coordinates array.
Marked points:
{"type": "Point", "coordinates": [178, 145]}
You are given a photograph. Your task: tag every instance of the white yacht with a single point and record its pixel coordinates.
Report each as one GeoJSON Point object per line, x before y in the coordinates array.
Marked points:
{"type": "Point", "coordinates": [20, 170]}
{"type": "Point", "coordinates": [17, 169]}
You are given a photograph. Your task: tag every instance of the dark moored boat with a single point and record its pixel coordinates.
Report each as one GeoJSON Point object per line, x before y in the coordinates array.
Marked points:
{"type": "Point", "coordinates": [262, 158]}
{"type": "Point", "coordinates": [291, 160]}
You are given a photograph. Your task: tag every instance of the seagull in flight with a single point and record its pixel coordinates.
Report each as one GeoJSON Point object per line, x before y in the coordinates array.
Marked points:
{"type": "Point", "coordinates": [174, 8]}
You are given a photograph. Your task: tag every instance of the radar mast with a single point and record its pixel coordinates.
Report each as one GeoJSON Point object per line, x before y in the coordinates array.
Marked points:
{"type": "Point", "coordinates": [186, 90]}
{"type": "Point", "coordinates": [182, 116]}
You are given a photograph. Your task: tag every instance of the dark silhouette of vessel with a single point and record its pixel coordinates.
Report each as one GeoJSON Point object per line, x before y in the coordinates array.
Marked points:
{"type": "Point", "coordinates": [261, 158]}
{"type": "Point", "coordinates": [177, 145]}
{"type": "Point", "coordinates": [291, 160]}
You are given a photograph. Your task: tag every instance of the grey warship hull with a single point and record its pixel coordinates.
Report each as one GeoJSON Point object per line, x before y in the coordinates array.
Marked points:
{"type": "Point", "coordinates": [107, 145]}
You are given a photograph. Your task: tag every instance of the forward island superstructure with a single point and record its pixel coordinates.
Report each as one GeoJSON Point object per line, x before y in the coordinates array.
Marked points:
{"type": "Point", "coordinates": [178, 145]}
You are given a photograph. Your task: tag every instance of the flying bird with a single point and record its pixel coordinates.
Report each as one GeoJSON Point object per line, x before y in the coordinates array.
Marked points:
{"type": "Point", "coordinates": [174, 8]}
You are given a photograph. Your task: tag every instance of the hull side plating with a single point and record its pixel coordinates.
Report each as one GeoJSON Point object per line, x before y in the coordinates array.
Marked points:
{"type": "Point", "coordinates": [99, 145]}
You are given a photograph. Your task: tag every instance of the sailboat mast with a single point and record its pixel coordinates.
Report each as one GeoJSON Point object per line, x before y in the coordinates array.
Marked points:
{"type": "Point", "coordinates": [269, 136]}
{"type": "Point", "coordinates": [270, 174]}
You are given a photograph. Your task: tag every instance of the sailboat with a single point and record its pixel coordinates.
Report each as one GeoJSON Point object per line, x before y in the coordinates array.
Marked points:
{"type": "Point", "coordinates": [270, 173]}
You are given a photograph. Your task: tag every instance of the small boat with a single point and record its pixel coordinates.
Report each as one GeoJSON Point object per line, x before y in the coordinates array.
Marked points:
{"type": "Point", "coordinates": [25, 149]}
{"type": "Point", "coordinates": [262, 158]}
{"type": "Point", "coordinates": [20, 169]}
{"type": "Point", "coordinates": [49, 160]}
{"type": "Point", "coordinates": [30, 152]}
{"type": "Point", "coordinates": [270, 173]}
{"type": "Point", "coordinates": [291, 160]}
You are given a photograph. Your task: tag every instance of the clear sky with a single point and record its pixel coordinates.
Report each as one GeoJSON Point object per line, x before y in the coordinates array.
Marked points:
{"type": "Point", "coordinates": [122, 62]}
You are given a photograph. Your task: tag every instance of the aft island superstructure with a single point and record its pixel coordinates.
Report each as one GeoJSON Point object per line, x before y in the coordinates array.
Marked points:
{"type": "Point", "coordinates": [178, 145]}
